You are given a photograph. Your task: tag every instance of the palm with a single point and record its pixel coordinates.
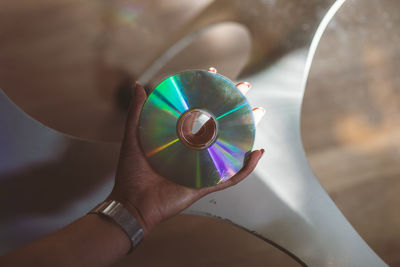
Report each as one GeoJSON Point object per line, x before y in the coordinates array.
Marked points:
{"type": "Point", "coordinates": [154, 197]}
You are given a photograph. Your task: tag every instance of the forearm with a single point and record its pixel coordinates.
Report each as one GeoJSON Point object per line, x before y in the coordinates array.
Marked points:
{"type": "Point", "coordinates": [90, 241]}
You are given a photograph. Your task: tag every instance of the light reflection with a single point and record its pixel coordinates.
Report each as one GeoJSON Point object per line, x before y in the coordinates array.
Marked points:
{"type": "Point", "coordinates": [164, 104]}
{"type": "Point", "coordinates": [128, 14]}
{"type": "Point", "coordinates": [223, 162]}
{"type": "Point", "coordinates": [178, 91]}
{"type": "Point", "coordinates": [231, 111]}
{"type": "Point", "coordinates": [152, 152]}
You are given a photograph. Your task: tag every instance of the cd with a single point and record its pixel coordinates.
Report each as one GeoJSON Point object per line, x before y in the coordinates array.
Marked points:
{"type": "Point", "coordinates": [196, 128]}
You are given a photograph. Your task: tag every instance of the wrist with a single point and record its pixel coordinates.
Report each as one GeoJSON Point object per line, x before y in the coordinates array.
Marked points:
{"type": "Point", "coordinates": [132, 209]}
{"type": "Point", "coordinates": [104, 227]}
{"type": "Point", "coordinates": [115, 210]}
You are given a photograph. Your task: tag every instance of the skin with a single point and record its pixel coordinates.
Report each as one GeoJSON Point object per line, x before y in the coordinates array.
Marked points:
{"type": "Point", "coordinates": [96, 241]}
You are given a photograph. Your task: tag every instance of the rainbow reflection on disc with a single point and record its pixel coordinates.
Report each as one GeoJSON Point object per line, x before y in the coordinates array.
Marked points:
{"type": "Point", "coordinates": [196, 128]}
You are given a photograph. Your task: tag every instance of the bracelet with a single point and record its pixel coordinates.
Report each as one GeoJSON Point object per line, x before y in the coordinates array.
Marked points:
{"type": "Point", "coordinates": [123, 218]}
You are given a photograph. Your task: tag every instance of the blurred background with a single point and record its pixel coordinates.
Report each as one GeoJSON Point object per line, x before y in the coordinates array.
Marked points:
{"type": "Point", "coordinates": [66, 68]}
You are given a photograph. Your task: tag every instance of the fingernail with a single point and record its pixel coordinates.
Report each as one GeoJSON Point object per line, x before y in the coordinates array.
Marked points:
{"type": "Point", "coordinates": [259, 109]}
{"type": "Point", "coordinates": [262, 151]}
{"type": "Point", "coordinates": [243, 87]}
{"type": "Point", "coordinates": [247, 84]}
{"type": "Point", "coordinates": [137, 84]}
{"type": "Point", "coordinates": [258, 115]}
{"type": "Point", "coordinates": [212, 69]}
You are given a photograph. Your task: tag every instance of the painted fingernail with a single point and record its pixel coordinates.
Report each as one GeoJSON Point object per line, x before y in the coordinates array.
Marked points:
{"type": "Point", "coordinates": [212, 69]}
{"type": "Point", "coordinates": [243, 87]}
{"type": "Point", "coordinates": [258, 114]}
{"type": "Point", "coordinates": [259, 109]}
{"type": "Point", "coordinates": [262, 152]}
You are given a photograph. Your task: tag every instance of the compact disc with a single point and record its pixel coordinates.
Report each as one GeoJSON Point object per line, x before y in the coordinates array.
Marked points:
{"type": "Point", "coordinates": [196, 128]}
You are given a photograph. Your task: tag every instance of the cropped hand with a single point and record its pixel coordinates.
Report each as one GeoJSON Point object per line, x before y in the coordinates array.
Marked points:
{"type": "Point", "coordinates": [150, 197]}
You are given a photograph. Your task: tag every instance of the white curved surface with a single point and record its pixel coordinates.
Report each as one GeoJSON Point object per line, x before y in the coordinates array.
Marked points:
{"type": "Point", "coordinates": [283, 200]}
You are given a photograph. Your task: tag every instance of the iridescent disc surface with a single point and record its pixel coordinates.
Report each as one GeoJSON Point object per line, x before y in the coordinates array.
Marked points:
{"type": "Point", "coordinates": [216, 104]}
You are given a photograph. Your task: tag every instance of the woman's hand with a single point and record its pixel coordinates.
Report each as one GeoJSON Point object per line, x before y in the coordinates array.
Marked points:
{"type": "Point", "coordinates": [150, 197]}
{"type": "Point", "coordinates": [94, 241]}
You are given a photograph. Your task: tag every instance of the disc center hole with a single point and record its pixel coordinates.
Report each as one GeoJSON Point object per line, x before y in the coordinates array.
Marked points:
{"type": "Point", "coordinates": [197, 129]}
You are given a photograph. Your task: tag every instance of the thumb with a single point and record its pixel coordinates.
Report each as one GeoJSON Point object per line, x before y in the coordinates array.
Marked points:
{"type": "Point", "coordinates": [136, 105]}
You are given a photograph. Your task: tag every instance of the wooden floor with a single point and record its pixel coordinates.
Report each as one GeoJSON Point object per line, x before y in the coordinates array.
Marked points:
{"type": "Point", "coordinates": [351, 122]}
